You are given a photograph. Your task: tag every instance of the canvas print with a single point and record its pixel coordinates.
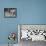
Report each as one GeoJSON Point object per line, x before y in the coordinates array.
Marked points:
{"type": "Point", "coordinates": [33, 32]}
{"type": "Point", "coordinates": [32, 35]}
{"type": "Point", "coordinates": [10, 12]}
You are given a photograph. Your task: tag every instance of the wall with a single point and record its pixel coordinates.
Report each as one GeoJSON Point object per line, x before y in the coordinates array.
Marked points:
{"type": "Point", "coordinates": [33, 12]}
{"type": "Point", "coordinates": [28, 12]}
{"type": "Point", "coordinates": [7, 25]}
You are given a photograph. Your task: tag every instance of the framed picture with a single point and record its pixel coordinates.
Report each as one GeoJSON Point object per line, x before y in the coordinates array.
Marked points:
{"type": "Point", "coordinates": [10, 12]}
{"type": "Point", "coordinates": [33, 32]}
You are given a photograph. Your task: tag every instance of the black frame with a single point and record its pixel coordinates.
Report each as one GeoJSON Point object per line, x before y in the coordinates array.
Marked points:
{"type": "Point", "coordinates": [5, 9]}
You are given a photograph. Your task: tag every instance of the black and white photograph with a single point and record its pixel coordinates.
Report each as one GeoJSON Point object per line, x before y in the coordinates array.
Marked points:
{"type": "Point", "coordinates": [10, 12]}
{"type": "Point", "coordinates": [32, 34]}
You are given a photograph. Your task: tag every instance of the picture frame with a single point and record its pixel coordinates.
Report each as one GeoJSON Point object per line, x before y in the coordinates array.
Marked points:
{"type": "Point", "coordinates": [10, 12]}
{"type": "Point", "coordinates": [38, 31]}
